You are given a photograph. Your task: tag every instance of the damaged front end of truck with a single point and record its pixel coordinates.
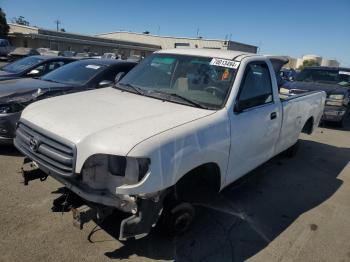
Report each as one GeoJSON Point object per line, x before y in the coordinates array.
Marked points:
{"type": "Point", "coordinates": [91, 194]}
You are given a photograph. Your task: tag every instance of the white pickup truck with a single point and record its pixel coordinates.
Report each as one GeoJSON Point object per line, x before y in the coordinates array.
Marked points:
{"type": "Point", "coordinates": [180, 115]}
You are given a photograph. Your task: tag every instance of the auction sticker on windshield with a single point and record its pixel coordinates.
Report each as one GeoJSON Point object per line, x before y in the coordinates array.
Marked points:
{"type": "Point", "coordinates": [93, 66]}
{"type": "Point", "coordinates": [224, 63]}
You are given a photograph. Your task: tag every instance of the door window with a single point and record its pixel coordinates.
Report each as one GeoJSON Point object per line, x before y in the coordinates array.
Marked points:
{"type": "Point", "coordinates": [40, 70]}
{"type": "Point", "coordinates": [256, 88]}
{"type": "Point", "coordinates": [54, 65]}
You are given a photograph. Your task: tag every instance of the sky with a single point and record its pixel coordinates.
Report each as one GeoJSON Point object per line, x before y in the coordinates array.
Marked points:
{"type": "Point", "coordinates": [294, 27]}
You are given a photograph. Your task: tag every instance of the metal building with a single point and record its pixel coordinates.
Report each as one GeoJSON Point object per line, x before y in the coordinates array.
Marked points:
{"type": "Point", "coordinates": [34, 37]}
{"type": "Point", "coordinates": [167, 42]}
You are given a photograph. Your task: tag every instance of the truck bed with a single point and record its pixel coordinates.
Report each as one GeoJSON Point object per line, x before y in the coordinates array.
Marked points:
{"type": "Point", "coordinates": [287, 97]}
{"type": "Point", "coordinates": [297, 110]}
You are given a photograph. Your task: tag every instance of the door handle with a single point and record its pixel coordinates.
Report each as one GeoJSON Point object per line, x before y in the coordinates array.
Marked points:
{"type": "Point", "coordinates": [273, 115]}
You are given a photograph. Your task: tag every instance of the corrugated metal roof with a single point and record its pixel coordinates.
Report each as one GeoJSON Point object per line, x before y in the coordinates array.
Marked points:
{"type": "Point", "coordinates": [217, 53]}
{"type": "Point", "coordinates": [41, 33]}
{"type": "Point", "coordinates": [167, 42]}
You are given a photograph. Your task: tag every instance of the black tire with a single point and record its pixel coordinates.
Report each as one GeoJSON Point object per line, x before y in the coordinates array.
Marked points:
{"type": "Point", "coordinates": [176, 220]}
{"type": "Point", "coordinates": [292, 151]}
{"type": "Point", "coordinates": [341, 123]}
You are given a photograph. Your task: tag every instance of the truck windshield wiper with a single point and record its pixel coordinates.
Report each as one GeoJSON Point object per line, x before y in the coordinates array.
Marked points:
{"type": "Point", "coordinates": [135, 88]}
{"type": "Point", "coordinates": [189, 101]}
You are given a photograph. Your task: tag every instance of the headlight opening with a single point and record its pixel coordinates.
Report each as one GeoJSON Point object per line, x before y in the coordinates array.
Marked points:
{"type": "Point", "coordinates": [127, 170]}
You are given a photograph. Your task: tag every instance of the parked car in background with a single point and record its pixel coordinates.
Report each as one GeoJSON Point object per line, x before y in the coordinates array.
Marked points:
{"type": "Point", "coordinates": [82, 55]}
{"type": "Point", "coordinates": [21, 52]}
{"type": "Point", "coordinates": [134, 58]}
{"type": "Point", "coordinates": [47, 52]}
{"type": "Point", "coordinates": [335, 81]}
{"type": "Point", "coordinates": [109, 56]}
{"type": "Point", "coordinates": [32, 66]}
{"type": "Point", "coordinates": [5, 47]}
{"type": "Point", "coordinates": [180, 119]}
{"type": "Point", "coordinates": [43, 50]}
{"type": "Point", "coordinates": [16, 94]}
{"type": "Point", "coordinates": [287, 74]}
{"type": "Point", "coordinates": [67, 53]}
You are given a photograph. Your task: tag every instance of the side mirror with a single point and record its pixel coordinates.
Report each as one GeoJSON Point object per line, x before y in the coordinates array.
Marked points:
{"type": "Point", "coordinates": [119, 76]}
{"type": "Point", "coordinates": [237, 108]}
{"type": "Point", "coordinates": [291, 78]}
{"type": "Point", "coordinates": [105, 83]}
{"type": "Point", "coordinates": [33, 72]}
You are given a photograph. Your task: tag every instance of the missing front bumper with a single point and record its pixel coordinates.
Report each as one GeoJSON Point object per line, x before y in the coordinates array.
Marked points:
{"type": "Point", "coordinates": [97, 205]}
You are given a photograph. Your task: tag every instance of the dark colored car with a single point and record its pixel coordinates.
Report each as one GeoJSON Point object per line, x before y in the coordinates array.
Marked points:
{"type": "Point", "coordinates": [287, 74]}
{"type": "Point", "coordinates": [335, 81]}
{"type": "Point", "coordinates": [5, 47]}
{"type": "Point", "coordinates": [21, 52]}
{"type": "Point", "coordinates": [32, 66]}
{"type": "Point", "coordinates": [82, 75]}
{"type": "Point", "coordinates": [67, 53]}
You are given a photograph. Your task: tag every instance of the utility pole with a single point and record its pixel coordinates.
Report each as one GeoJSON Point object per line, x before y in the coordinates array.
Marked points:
{"type": "Point", "coordinates": [57, 22]}
{"type": "Point", "coordinates": [259, 47]}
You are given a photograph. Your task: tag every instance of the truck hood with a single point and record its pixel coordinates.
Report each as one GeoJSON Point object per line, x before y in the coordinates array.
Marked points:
{"type": "Point", "coordinates": [108, 119]}
{"type": "Point", "coordinates": [314, 86]}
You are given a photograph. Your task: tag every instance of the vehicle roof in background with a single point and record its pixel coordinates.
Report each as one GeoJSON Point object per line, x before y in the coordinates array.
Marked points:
{"type": "Point", "coordinates": [106, 62]}
{"type": "Point", "coordinates": [49, 57]}
{"type": "Point", "coordinates": [328, 68]}
{"type": "Point", "coordinates": [23, 50]}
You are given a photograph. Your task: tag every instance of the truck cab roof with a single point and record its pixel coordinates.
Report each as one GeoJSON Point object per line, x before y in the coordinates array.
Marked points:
{"type": "Point", "coordinates": [218, 53]}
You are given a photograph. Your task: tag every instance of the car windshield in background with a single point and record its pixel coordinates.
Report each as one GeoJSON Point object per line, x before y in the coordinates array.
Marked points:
{"type": "Point", "coordinates": [325, 76]}
{"type": "Point", "coordinates": [184, 79]}
{"type": "Point", "coordinates": [76, 73]}
{"type": "Point", "coordinates": [22, 64]}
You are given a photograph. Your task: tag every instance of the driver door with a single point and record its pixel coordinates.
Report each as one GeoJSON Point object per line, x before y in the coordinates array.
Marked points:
{"type": "Point", "coordinates": [255, 121]}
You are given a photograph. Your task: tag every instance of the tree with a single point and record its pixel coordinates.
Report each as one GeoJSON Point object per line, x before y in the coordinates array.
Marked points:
{"type": "Point", "coordinates": [20, 20]}
{"type": "Point", "coordinates": [4, 27]}
{"type": "Point", "coordinates": [307, 63]}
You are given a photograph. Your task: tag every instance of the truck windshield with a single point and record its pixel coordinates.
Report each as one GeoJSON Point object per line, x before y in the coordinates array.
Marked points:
{"type": "Point", "coordinates": [180, 78]}
{"type": "Point", "coordinates": [77, 73]}
{"type": "Point", "coordinates": [327, 76]}
{"type": "Point", "coordinates": [22, 64]}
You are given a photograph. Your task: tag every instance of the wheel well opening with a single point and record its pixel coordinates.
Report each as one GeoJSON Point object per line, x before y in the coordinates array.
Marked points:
{"type": "Point", "coordinates": [308, 126]}
{"type": "Point", "coordinates": [204, 177]}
